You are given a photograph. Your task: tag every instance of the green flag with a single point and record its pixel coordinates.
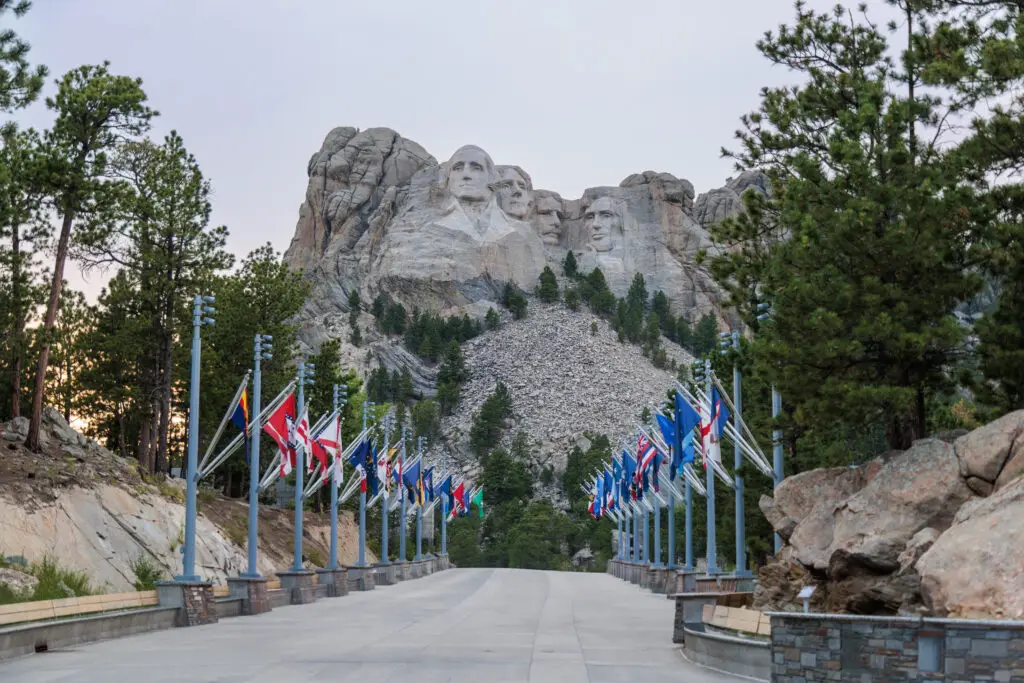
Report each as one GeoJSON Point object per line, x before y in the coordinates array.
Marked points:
{"type": "Point", "coordinates": [478, 500]}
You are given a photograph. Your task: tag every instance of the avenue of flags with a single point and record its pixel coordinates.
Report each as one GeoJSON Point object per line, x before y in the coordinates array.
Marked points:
{"type": "Point", "coordinates": [665, 452]}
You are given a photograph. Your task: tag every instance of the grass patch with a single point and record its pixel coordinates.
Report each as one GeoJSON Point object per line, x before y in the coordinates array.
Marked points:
{"type": "Point", "coordinates": [146, 573]}
{"type": "Point", "coordinates": [55, 582]}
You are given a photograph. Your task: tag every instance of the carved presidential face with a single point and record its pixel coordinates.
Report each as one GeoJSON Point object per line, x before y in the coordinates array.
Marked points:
{"type": "Point", "coordinates": [549, 220]}
{"type": "Point", "coordinates": [470, 173]}
{"type": "Point", "coordinates": [516, 196]}
{"type": "Point", "coordinates": [602, 223]}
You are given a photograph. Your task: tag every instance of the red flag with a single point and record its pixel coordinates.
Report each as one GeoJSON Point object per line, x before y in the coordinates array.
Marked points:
{"type": "Point", "coordinates": [326, 449]}
{"type": "Point", "coordinates": [279, 427]}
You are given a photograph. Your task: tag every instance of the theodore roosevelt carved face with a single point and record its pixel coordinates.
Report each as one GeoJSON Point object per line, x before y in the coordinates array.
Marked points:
{"type": "Point", "coordinates": [549, 219]}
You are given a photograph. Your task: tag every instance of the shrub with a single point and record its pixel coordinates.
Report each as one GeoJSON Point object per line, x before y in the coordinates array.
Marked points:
{"type": "Point", "coordinates": [146, 573]}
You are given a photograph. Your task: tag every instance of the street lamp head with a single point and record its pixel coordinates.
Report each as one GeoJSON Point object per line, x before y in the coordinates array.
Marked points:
{"type": "Point", "coordinates": [208, 321]}
{"type": "Point", "coordinates": [763, 307]}
{"type": "Point", "coordinates": [724, 335]}
{"type": "Point", "coordinates": [764, 316]}
{"type": "Point", "coordinates": [209, 299]}
{"type": "Point", "coordinates": [266, 338]}
{"type": "Point", "coordinates": [267, 356]}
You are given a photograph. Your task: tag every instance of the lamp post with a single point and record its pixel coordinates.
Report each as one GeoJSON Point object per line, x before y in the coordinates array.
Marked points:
{"type": "Point", "coordinates": [362, 505]}
{"type": "Point", "coordinates": [261, 351]}
{"type": "Point", "coordinates": [764, 314]}
{"type": "Point", "coordinates": [304, 379]}
{"type": "Point", "coordinates": [732, 340]}
{"type": "Point", "coordinates": [201, 313]}
{"type": "Point", "coordinates": [340, 399]}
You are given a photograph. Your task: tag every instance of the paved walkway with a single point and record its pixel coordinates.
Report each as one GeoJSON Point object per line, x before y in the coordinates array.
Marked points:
{"type": "Point", "coordinates": [471, 625]}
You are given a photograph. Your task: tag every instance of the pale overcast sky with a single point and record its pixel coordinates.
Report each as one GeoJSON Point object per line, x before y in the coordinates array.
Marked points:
{"type": "Point", "coordinates": [580, 93]}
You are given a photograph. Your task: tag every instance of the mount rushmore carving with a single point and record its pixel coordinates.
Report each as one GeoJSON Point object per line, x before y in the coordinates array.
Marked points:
{"type": "Point", "coordinates": [382, 215]}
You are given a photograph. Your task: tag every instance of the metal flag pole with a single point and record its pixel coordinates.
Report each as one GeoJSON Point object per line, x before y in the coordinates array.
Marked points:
{"type": "Point", "coordinates": [419, 510]}
{"type": "Point", "coordinates": [403, 514]}
{"type": "Point", "coordinates": [777, 452]}
{"type": "Point", "coordinates": [300, 465]}
{"type": "Point", "coordinates": [737, 416]}
{"type": "Point", "coordinates": [362, 505]}
{"type": "Point", "coordinates": [384, 497]}
{"type": "Point", "coordinates": [340, 399]}
{"type": "Point", "coordinates": [709, 497]}
{"type": "Point", "coordinates": [200, 316]}
{"type": "Point", "coordinates": [261, 351]}
{"type": "Point", "coordinates": [444, 504]}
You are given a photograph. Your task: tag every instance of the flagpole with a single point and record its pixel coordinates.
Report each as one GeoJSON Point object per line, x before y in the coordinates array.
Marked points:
{"type": "Point", "coordinates": [261, 351]}
{"type": "Point", "coordinates": [384, 498]}
{"type": "Point", "coordinates": [712, 549]}
{"type": "Point", "coordinates": [340, 399]}
{"type": "Point", "coordinates": [419, 512]}
{"type": "Point", "coordinates": [300, 465]}
{"type": "Point", "coordinates": [777, 452]}
{"type": "Point", "coordinates": [444, 504]}
{"type": "Point", "coordinates": [737, 413]}
{"type": "Point", "coordinates": [403, 523]}
{"type": "Point", "coordinates": [200, 317]}
{"type": "Point", "coordinates": [362, 505]}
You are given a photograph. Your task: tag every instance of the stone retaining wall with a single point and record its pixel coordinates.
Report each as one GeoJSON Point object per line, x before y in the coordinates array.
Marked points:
{"type": "Point", "coordinates": [840, 647]}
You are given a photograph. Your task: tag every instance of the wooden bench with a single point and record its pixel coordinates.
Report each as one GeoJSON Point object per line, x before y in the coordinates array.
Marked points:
{"type": "Point", "coordinates": [272, 585]}
{"type": "Point", "coordinates": [37, 610]}
{"type": "Point", "coordinates": [737, 619]}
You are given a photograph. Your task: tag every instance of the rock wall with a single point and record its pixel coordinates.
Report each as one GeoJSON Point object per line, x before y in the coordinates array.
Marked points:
{"type": "Point", "coordinates": [937, 529]}
{"type": "Point", "coordinates": [91, 511]}
{"type": "Point", "coordinates": [382, 215]}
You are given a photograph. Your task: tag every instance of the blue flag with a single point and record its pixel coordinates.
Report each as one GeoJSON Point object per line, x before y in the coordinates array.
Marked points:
{"type": "Point", "coordinates": [723, 415]}
{"type": "Point", "coordinates": [598, 497]}
{"type": "Point", "coordinates": [412, 481]}
{"type": "Point", "coordinates": [608, 488]}
{"type": "Point", "coordinates": [686, 417]}
{"type": "Point", "coordinates": [428, 484]}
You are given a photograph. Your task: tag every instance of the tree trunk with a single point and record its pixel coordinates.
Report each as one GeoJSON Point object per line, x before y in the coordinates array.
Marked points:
{"type": "Point", "coordinates": [122, 446]}
{"type": "Point", "coordinates": [32, 440]}
{"type": "Point", "coordinates": [229, 481]}
{"type": "Point", "coordinates": [145, 443]}
{"type": "Point", "coordinates": [18, 334]}
{"type": "Point", "coordinates": [165, 385]}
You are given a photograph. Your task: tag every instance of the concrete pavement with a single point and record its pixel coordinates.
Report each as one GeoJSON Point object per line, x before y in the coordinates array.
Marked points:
{"type": "Point", "coordinates": [473, 625]}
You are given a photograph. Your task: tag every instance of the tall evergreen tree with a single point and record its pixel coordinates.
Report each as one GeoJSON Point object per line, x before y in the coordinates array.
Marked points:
{"type": "Point", "coordinates": [548, 291]}
{"type": "Point", "coordinates": [862, 247]}
{"type": "Point", "coordinates": [95, 111]}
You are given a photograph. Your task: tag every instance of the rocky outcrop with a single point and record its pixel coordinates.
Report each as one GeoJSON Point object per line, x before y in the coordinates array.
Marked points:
{"type": "Point", "coordinates": [20, 584]}
{"type": "Point", "coordinates": [912, 531]}
{"type": "Point", "coordinates": [382, 215]}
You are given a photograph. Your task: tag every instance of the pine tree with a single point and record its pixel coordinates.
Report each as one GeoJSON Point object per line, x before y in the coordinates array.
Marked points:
{"type": "Point", "coordinates": [492, 319]}
{"type": "Point", "coordinates": [356, 337]}
{"type": "Point", "coordinates": [379, 308]}
{"type": "Point", "coordinates": [637, 295]}
{"type": "Point", "coordinates": [548, 291]}
{"type": "Point", "coordinates": [450, 376]}
{"type": "Point", "coordinates": [95, 111]}
{"type": "Point", "coordinates": [572, 298]}
{"type": "Point", "coordinates": [569, 265]}
{"type": "Point", "coordinates": [705, 336]}
{"type": "Point", "coordinates": [20, 83]}
{"type": "Point", "coordinates": [862, 248]}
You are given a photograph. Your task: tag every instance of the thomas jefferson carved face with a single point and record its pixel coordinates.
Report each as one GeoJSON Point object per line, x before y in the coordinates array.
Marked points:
{"type": "Point", "coordinates": [549, 220]}
{"type": "Point", "coordinates": [602, 223]}
{"type": "Point", "coordinates": [470, 172]}
{"type": "Point", "coordinates": [516, 196]}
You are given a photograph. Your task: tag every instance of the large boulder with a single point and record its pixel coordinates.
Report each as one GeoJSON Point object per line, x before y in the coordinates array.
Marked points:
{"type": "Point", "coordinates": [919, 488]}
{"type": "Point", "coordinates": [802, 508]}
{"type": "Point", "coordinates": [976, 567]}
{"type": "Point", "coordinates": [985, 452]}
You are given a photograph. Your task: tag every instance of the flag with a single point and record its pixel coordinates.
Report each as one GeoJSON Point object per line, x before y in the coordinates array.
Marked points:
{"type": "Point", "coordinates": [384, 471]}
{"type": "Point", "coordinates": [628, 473]}
{"type": "Point", "coordinates": [428, 485]}
{"type": "Point", "coordinates": [712, 426]}
{"type": "Point", "coordinates": [413, 480]}
{"type": "Point", "coordinates": [609, 490]}
{"type": "Point", "coordinates": [327, 449]}
{"type": "Point", "coordinates": [396, 471]}
{"type": "Point", "coordinates": [457, 499]}
{"type": "Point", "coordinates": [598, 497]}
{"type": "Point", "coordinates": [478, 500]}
{"type": "Point", "coordinates": [446, 491]}
{"type": "Point", "coordinates": [590, 505]}
{"type": "Point", "coordinates": [358, 460]}
{"type": "Point", "coordinates": [300, 437]}
{"type": "Point", "coordinates": [278, 426]}
{"type": "Point", "coordinates": [241, 419]}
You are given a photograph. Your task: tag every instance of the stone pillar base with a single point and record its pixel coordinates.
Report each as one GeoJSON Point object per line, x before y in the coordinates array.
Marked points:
{"type": "Point", "coordinates": [194, 601]}
{"type": "Point", "coordinates": [417, 569]}
{"type": "Point", "coordinates": [386, 574]}
{"type": "Point", "coordinates": [336, 581]}
{"type": "Point", "coordinates": [361, 579]}
{"type": "Point", "coordinates": [299, 585]}
{"type": "Point", "coordinates": [252, 591]}
{"type": "Point", "coordinates": [403, 571]}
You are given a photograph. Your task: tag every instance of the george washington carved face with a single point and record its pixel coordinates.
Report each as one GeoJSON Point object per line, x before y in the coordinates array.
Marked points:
{"type": "Point", "coordinates": [470, 173]}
